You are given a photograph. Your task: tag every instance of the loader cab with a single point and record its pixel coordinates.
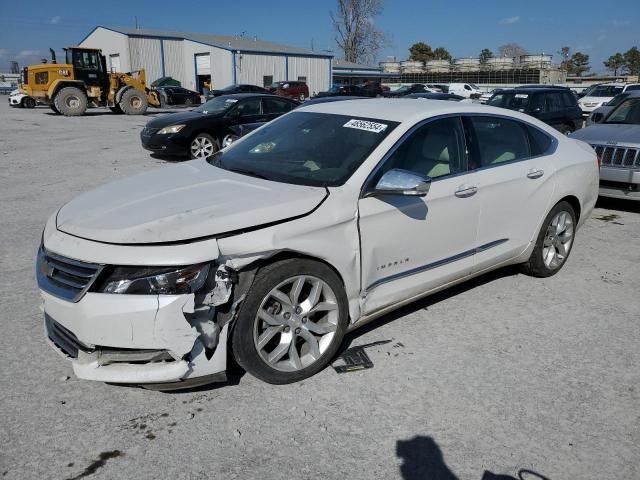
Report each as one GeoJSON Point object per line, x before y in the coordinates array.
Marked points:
{"type": "Point", "coordinates": [88, 66]}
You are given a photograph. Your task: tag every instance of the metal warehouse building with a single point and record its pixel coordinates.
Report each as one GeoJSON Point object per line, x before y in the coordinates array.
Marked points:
{"type": "Point", "coordinates": [195, 58]}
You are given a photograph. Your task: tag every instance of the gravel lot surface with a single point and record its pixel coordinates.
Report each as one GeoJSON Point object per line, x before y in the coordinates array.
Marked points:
{"type": "Point", "coordinates": [504, 373]}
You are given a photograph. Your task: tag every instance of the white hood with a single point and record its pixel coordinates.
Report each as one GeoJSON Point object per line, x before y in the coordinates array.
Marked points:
{"type": "Point", "coordinates": [183, 202]}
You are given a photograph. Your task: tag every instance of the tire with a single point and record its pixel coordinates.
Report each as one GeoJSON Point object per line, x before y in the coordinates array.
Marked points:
{"type": "Point", "coordinates": [71, 102]}
{"type": "Point", "coordinates": [133, 102]}
{"type": "Point", "coordinates": [203, 145]}
{"type": "Point", "coordinates": [29, 102]}
{"type": "Point", "coordinates": [188, 102]}
{"type": "Point", "coordinates": [566, 129]}
{"type": "Point", "coordinates": [53, 107]}
{"type": "Point", "coordinates": [554, 242]}
{"type": "Point", "coordinates": [228, 140]}
{"type": "Point", "coordinates": [273, 339]}
{"type": "Point", "coordinates": [116, 109]}
{"type": "Point", "coordinates": [302, 97]}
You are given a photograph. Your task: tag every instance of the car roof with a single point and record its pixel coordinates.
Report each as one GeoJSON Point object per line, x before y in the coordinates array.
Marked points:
{"type": "Point", "coordinates": [401, 110]}
{"type": "Point", "coordinates": [534, 89]}
{"type": "Point", "coordinates": [240, 96]}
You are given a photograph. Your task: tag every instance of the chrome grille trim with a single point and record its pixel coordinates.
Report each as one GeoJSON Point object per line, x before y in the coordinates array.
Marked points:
{"type": "Point", "coordinates": [620, 157]}
{"type": "Point", "coordinates": [65, 278]}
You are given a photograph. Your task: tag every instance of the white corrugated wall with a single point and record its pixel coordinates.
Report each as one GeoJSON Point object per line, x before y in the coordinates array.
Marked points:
{"type": "Point", "coordinates": [252, 68]}
{"type": "Point", "coordinates": [220, 61]}
{"type": "Point", "coordinates": [145, 53]}
{"type": "Point", "coordinates": [173, 60]}
{"type": "Point", "coordinates": [316, 70]}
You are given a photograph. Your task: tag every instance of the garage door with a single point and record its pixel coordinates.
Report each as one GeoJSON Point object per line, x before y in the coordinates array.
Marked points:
{"type": "Point", "coordinates": [203, 64]}
{"type": "Point", "coordinates": [114, 62]}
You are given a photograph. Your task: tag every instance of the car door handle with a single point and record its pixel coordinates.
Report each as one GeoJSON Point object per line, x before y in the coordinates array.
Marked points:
{"type": "Point", "coordinates": [465, 191]}
{"type": "Point", "coordinates": [535, 173]}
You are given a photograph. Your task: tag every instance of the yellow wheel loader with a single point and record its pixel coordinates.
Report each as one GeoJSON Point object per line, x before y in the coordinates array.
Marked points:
{"type": "Point", "coordinates": [70, 87]}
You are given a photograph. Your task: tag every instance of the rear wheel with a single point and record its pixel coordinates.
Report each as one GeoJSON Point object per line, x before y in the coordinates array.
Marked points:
{"type": "Point", "coordinates": [292, 321]}
{"type": "Point", "coordinates": [554, 242]}
{"type": "Point", "coordinates": [302, 97]}
{"type": "Point", "coordinates": [203, 146]}
{"type": "Point", "coordinates": [71, 102]}
{"type": "Point", "coordinates": [133, 102]}
{"type": "Point", "coordinates": [188, 102]}
{"type": "Point", "coordinates": [566, 129]}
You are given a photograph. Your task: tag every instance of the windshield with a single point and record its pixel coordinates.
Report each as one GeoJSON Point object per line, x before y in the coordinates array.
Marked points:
{"type": "Point", "coordinates": [306, 148]}
{"type": "Point", "coordinates": [216, 105]}
{"type": "Point", "coordinates": [627, 112]}
{"type": "Point", "coordinates": [617, 100]}
{"type": "Point", "coordinates": [512, 101]}
{"type": "Point", "coordinates": [605, 91]}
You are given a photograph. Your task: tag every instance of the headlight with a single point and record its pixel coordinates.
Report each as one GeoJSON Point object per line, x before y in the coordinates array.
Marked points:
{"type": "Point", "coordinates": [171, 129]}
{"type": "Point", "coordinates": [156, 280]}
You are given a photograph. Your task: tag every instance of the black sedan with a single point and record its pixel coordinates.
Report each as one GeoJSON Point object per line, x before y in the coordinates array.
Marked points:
{"type": "Point", "coordinates": [339, 90]}
{"type": "Point", "coordinates": [406, 90]}
{"type": "Point", "coordinates": [201, 132]}
{"type": "Point", "coordinates": [436, 96]}
{"type": "Point", "coordinates": [231, 89]}
{"type": "Point", "coordinates": [178, 96]}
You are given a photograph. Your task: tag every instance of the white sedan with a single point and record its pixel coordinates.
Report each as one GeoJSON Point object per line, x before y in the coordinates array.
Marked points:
{"type": "Point", "coordinates": [316, 223]}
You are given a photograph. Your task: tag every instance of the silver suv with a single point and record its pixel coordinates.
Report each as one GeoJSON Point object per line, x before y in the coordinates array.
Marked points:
{"type": "Point", "coordinates": [616, 141]}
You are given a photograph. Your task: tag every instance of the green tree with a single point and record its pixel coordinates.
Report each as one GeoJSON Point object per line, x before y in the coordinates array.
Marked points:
{"type": "Point", "coordinates": [580, 63]}
{"type": "Point", "coordinates": [485, 55]}
{"type": "Point", "coordinates": [441, 53]}
{"type": "Point", "coordinates": [420, 52]}
{"type": "Point", "coordinates": [614, 63]}
{"type": "Point", "coordinates": [565, 55]}
{"type": "Point", "coordinates": [632, 61]}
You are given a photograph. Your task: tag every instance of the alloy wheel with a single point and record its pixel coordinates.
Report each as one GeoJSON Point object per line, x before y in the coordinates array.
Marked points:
{"type": "Point", "coordinates": [202, 147]}
{"type": "Point", "coordinates": [296, 323]}
{"type": "Point", "coordinates": [558, 240]}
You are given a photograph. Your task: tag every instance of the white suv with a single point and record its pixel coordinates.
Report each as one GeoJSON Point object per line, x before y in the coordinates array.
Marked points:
{"type": "Point", "coordinates": [326, 218]}
{"type": "Point", "coordinates": [602, 94]}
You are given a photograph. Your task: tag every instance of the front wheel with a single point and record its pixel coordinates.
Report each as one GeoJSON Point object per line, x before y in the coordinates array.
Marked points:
{"type": "Point", "coordinates": [292, 321]}
{"type": "Point", "coordinates": [29, 102]}
{"type": "Point", "coordinates": [554, 242]}
{"type": "Point", "coordinates": [203, 146]}
{"type": "Point", "coordinates": [71, 102]}
{"type": "Point", "coordinates": [566, 129]}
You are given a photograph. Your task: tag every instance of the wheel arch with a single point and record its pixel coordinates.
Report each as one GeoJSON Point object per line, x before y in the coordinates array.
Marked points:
{"type": "Point", "coordinates": [58, 85]}
{"type": "Point", "coordinates": [574, 202]}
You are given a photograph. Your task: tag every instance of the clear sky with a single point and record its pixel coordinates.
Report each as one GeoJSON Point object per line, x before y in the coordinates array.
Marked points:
{"type": "Point", "coordinates": [28, 28]}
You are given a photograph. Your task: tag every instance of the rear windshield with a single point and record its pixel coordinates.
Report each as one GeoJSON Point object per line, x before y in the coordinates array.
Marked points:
{"type": "Point", "coordinates": [305, 148]}
{"type": "Point", "coordinates": [605, 91]}
{"type": "Point", "coordinates": [512, 101]}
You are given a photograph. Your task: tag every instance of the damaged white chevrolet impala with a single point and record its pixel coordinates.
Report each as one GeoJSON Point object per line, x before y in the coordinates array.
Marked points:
{"type": "Point", "coordinates": [318, 222]}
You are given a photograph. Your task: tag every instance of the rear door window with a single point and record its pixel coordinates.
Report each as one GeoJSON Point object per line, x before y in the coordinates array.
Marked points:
{"type": "Point", "coordinates": [498, 140]}
{"type": "Point", "coordinates": [274, 106]}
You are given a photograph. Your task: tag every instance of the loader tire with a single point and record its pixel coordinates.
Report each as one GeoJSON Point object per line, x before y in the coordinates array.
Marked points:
{"type": "Point", "coordinates": [53, 107]}
{"type": "Point", "coordinates": [71, 102]}
{"type": "Point", "coordinates": [133, 102]}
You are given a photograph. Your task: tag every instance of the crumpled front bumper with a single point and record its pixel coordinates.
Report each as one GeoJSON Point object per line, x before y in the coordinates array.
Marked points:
{"type": "Point", "coordinates": [134, 339]}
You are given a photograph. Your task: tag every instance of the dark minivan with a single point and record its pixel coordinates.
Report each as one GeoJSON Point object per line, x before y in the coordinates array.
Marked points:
{"type": "Point", "coordinates": [556, 107]}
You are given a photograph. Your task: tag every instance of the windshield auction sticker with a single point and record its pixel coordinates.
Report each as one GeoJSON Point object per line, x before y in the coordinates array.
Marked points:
{"type": "Point", "coordinates": [366, 125]}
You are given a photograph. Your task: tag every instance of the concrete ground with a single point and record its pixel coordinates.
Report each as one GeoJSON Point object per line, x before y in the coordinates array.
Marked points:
{"type": "Point", "coordinates": [505, 373]}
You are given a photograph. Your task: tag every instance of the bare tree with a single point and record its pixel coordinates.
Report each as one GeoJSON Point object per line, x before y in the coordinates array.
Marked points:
{"type": "Point", "coordinates": [356, 34]}
{"type": "Point", "coordinates": [511, 50]}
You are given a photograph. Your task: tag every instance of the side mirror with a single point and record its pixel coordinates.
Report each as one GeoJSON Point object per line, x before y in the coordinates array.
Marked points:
{"type": "Point", "coordinates": [597, 117]}
{"type": "Point", "coordinates": [402, 182]}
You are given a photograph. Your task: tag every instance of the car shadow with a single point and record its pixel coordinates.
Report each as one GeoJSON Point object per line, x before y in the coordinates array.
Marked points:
{"type": "Point", "coordinates": [630, 206]}
{"type": "Point", "coordinates": [422, 459]}
{"type": "Point", "coordinates": [426, 302]}
{"type": "Point", "coordinates": [168, 158]}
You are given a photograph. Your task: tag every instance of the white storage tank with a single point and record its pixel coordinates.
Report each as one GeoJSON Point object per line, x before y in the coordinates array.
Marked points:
{"type": "Point", "coordinates": [467, 64]}
{"type": "Point", "coordinates": [412, 66]}
{"type": "Point", "coordinates": [500, 63]}
{"type": "Point", "coordinates": [438, 66]}
{"type": "Point", "coordinates": [390, 67]}
{"type": "Point", "coordinates": [535, 61]}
